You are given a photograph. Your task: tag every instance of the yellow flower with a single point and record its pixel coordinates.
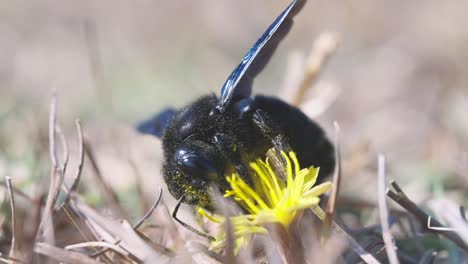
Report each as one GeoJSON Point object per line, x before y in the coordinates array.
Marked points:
{"type": "Point", "coordinates": [243, 228]}
{"type": "Point", "coordinates": [271, 199]}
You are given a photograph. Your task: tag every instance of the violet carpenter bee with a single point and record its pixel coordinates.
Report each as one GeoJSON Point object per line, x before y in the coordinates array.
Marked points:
{"type": "Point", "coordinates": [215, 136]}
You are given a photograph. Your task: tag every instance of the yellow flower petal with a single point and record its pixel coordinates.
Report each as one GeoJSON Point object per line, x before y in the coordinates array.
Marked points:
{"type": "Point", "coordinates": [212, 218]}
{"type": "Point", "coordinates": [310, 178]}
{"type": "Point", "coordinates": [318, 190]}
{"type": "Point", "coordinates": [239, 192]}
{"type": "Point", "coordinates": [265, 182]}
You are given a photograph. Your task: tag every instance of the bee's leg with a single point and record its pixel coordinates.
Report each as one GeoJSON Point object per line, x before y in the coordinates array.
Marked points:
{"type": "Point", "coordinates": [187, 226]}
{"type": "Point", "coordinates": [232, 150]}
{"type": "Point", "coordinates": [270, 130]}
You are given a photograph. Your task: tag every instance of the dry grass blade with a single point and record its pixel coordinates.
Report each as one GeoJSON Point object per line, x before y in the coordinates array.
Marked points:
{"type": "Point", "coordinates": [158, 247]}
{"type": "Point", "coordinates": [113, 229]}
{"type": "Point", "coordinates": [171, 226]}
{"type": "Point", "coordinates": [150, 211]}
{"type": "Point", "coordinates": [331, 204]}
{"type": "Point", "coordinates": [449, 212]}
{"type": "Point", "coordinates": [109, 194]}
{"type": "Point", "coordinates": [77, 178]}
{"type": "Point", "coordinates": [74, 222]}
{"type": "Point", "coordinates": [14, 246]}
{"type": "Point", "coordinates": [138, 224]}
{"type": "Point", "coordinates": [383, 209]}
{"type": "Point", "coordinates": [10, 260]}
{"type": "Point", "coordinates": [57, 177]}
{"type": "Point", "coordinates": [29, 230]}
{"type": "Point", "coordinates": [63, 255]}
{"type": "Point", "coordinates": [63, 142]}
{"type": "Point", "coordinates": [323, 48]}
{"type": "Point", "coordinates": [17, 191]}
{"type": "Point", "coordinates": [97, 244]}
{"type": "Point", "coordinates": [103, 234]}
{"type": "Point", "coordinates": [201, 258]}
{"type": "Point", "coordinates": [363, 254]}
{"type": "Point", "coordinates": [293, 76]}
{"type": "Point", "coordinates": [52, 124]}
{"type": "Point", "coordinates": [46, 230]}
{"type": "Point", "coordinates": [400, 198]}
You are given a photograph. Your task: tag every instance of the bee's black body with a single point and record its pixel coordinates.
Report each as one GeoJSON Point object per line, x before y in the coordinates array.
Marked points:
{"type": "Point", "coordinates": [213, 137]}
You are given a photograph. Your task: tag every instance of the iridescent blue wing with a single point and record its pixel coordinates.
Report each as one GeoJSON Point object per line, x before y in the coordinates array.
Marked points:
{"type": "Point", "coordinates": [157, 124]}
{"type": "Point", "coordinates": [239, 83]}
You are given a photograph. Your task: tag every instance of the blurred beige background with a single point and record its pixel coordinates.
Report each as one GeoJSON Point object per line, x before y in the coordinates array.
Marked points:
{"type": "Point", "coordinates": [399, 76]}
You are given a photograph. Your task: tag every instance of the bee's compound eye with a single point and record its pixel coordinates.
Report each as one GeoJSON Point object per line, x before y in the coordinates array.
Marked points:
{"type": "Point", "coordinates": [195, 164]}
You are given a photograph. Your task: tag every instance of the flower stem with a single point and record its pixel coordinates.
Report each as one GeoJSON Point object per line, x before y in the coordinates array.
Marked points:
{"type": "Point", "coordinates": [289, 243]}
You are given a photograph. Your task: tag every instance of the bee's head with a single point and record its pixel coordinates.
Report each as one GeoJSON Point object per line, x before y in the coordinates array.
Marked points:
{"type": "Point", "coordinates": [194, 168]}
{"type": "Point", "coordinates": [193, 161]}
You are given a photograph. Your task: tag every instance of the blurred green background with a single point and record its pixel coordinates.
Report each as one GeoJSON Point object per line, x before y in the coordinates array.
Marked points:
{"type": "Point", "coordinates": [399, 76]}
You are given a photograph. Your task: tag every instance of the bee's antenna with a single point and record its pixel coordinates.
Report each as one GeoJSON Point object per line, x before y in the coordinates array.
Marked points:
{"type": "Point", "coordinates": [189, 227]}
